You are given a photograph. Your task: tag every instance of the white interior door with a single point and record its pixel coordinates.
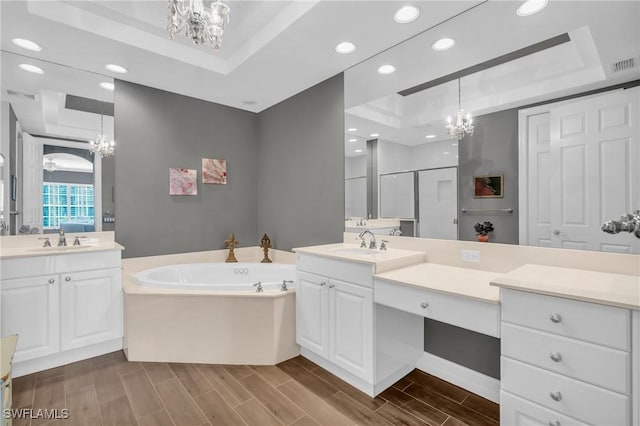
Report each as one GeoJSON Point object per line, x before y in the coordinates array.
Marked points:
{"type": "Point", "coordinates": [438, 203]}
{"type": "Point", "coordinates": [585, 172]}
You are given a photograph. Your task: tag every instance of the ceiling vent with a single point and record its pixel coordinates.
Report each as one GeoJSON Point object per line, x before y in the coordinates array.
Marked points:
{"type": "Point", "coordinates": [23, 95]}
{"type": "Point", "coordinates": [625, 64]}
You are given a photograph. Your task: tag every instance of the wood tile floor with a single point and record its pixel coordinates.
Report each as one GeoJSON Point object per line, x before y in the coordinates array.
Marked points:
{"type": "Point", "coordinates": [109, 390]}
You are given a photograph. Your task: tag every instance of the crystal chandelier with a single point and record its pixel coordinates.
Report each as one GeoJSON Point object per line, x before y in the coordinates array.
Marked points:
{"type": "Point", "coordinates": [102, 146]}
{"type": "Point", "coordinates": [200, 25]}
{"type": "Point", "coordinates": [463, 124]}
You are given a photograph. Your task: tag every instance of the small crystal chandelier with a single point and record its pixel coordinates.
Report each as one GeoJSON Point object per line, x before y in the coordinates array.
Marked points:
{"type": "Point", "coordinates": [102, 146]}
{"type": "Point", "coordinates": [200, 25]}
{"type": "Point", "coordinates": [463, 124]}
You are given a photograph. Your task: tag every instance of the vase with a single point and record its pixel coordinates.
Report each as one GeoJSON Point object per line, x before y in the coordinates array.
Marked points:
{"type": "Point", "coordinates": [483, 238]}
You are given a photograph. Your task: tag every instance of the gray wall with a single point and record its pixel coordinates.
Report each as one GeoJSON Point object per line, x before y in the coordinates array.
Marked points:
{"type": "Point", "coordinates": [491, 150]}
{"type": "Point", "coordinates": [473, 350]}
{"type": "Point", "coordinates": [300, 177]}
{"type": "Point", "coordinates": [156, 130]}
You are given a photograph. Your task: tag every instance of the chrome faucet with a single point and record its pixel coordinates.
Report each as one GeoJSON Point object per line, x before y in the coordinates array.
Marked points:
{"type": "Point", "coordinates": [62, 239]}
{"type": "Point", "coordinates": [258, 287]}
{"type": "Point", "coordinates": [372, 243]}
{"type": "Point", "coordinates": [284, 287]}
{"type": "Point", "coordinates": [629, 222]}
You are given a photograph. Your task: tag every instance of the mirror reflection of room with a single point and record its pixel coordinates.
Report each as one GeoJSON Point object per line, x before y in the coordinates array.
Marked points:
{"type": "Point", "coordinates": [54, 181]}
{"type": "Point", "coordinates": [548, 125]}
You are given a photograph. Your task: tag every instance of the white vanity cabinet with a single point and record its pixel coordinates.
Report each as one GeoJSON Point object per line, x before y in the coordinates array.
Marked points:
{"type": "Point", "coordinates": [64, 307]}
{"type": "Point", "coordinates": [564, 361]}
{"type": "Point", "coordinates": [335, 320]}
{"type": "Point", "coordinates": [340, 328]}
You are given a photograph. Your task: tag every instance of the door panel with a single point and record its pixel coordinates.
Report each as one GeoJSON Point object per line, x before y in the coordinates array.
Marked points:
{"type": "Point", "coordinates": [90, 308]}
{"type": "Point", "coordinates": [30, 308]}
{"type": "Point", "coordinates": [311, 313]}
{"type": "Point", "coordinates": [351, 328]}
{"type": "Point", "coordinates": [438, 203]}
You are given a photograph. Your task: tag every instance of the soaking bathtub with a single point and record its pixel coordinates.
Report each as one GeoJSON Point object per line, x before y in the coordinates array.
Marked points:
{"type": "Point", "coordinates": [209, 312]}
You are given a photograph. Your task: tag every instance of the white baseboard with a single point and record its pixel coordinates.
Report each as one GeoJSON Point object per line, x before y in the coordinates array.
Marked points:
{"type": "Point", "coordinates": [62, 358]}
{"type": "Point", "coordinates": [478, 383]}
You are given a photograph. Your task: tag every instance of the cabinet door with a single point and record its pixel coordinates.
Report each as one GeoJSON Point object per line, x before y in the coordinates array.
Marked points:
{"type": "Point", "coordinates": [311, 313]}
{"type": "Point", "coordinates": [351, 328]}
{"type": "Point", "coordinates": [517, 411]}
{"type": "Point", "coordinates": [30, 308]}
{"type": "Point", "coordinates": [91, 307]}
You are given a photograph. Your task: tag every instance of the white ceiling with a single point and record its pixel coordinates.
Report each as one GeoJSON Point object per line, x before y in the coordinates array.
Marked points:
{"type": "Point", "coordinates": [601, 32]}
{"type": "Point", "coordinates": [271, 51]}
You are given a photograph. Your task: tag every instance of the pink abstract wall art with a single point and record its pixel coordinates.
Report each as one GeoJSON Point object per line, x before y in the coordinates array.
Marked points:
{"type": "Point", "coordinates": [214, 171]}
{"type": "Point", "coordinates": [183, 182]}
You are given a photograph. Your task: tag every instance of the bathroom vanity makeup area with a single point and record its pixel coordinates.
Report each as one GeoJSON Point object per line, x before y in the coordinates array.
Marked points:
{"type": "Point", "coordinates": [569, 322]}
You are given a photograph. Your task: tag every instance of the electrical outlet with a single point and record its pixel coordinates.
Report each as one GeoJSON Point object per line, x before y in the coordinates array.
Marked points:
{"type": "Point", "coordinates": [471, 256]}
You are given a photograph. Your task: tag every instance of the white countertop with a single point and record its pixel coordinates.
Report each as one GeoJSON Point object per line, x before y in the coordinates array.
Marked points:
{"type": "Point", "coordinates": [578, 284]}
{"type": "Point", "coordinates": [453, 280]}
{"type": "Point", "coordinates": [32, 245]}
{"type": "Point", "coordinates": [383, 260]}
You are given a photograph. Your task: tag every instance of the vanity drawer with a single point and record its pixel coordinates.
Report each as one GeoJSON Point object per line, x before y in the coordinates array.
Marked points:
{"type": "Point", "coordinates": [598, 365]}
{"type": "Point", "coordinates": [518, 411]}
{"type": "Point", "coordinates": [604, 325]}
{"type": "Point", "coordinates": [460, 311]}
{"type": "Point", "coordinates": [577, 399]}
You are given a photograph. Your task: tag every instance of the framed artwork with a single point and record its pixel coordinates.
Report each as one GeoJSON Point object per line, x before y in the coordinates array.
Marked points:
{"type": "Point", "coordinates": [488, 186]}
{"type": "Point", "coordinates": [214, 171]}
{"type": "Point", "coordinates": [183, 182]}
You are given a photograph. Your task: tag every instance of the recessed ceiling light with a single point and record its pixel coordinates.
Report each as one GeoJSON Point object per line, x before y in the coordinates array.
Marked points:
{"type": "Point", "coordinates": [454, 144]}
{"type": "Point", "coordinates": [530, 7]}
{"type": "Point", "coordinates": [386, 69]}
{"type": "Point", "coordinates": [107, 85]}
{"type": "Point", "coordinates": [31, 68]}
{"type": "Point", "coordinates": [446, 152]}
{"type": "Point", "coordinates": [443, 44]}
{"type": "Point", "coordinates": [352, 129]}
{"type": "Point", "coordinates": [249, 102]}
{"type": "Point", "coordinates": [406, 14]}
{"type": "Point", "coordinates": [116, 68]}
{"type": "Point", "coordinates": [375, 135]}
{"type": "Point", "coordinates": [345, 48]}
{"type": "Point", "coordinates": [26, 44]}
{"type": "Point", "coordinates": [358, 150]}
{"type": "Point", "coordinates": [430, 136]}
{"type": "Point", "coordinates": [353, 140]}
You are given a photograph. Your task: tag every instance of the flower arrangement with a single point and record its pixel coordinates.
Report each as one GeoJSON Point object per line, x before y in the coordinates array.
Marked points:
{"type": "Point", "coordinates": [483, 228]}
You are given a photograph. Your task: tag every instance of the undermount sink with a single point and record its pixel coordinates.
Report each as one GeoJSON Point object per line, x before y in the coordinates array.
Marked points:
{"type": "Point", "coordinates": [355, 251]}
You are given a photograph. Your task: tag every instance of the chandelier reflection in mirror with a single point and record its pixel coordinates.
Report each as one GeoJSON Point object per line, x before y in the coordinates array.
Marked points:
{"type": "Point", "coordinates": [200, 25]}
{"type": "Point", "coordinates": [102, 146]}
{"type": "Point", "coordinates": [463, 124]}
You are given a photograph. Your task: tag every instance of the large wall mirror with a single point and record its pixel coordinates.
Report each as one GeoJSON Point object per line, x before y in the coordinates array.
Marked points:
{"type": "Point", "coordinates": [50, 179]}
{"type": "Point", "coordinates": [555, 103]}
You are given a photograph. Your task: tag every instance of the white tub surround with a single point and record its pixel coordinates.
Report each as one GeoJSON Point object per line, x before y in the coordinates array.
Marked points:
{"type": "Point", "coordinates": [64, 303]}
{"type": "Point", "coordinates": [204, 325]}
{"type": "Point", "coordinates": [339, 327]}
{"type": "Point", "coordinates": [570, 346]}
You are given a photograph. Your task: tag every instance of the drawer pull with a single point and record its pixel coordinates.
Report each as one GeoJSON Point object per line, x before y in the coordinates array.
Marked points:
{"type": "Point", "coordinates": [555, 395]}
{"type": "Point", "coordinates": [554, 423]}
{"type": "Point", "coordinates": [322, 284]}
{"type": "Point", "coordinates": [331, 286]}
{"type": "Point", "coordinates": [555, 356]}
{"type": "Point", "coordinates": [51, 281]}
{"type": "Point", "coordinates": [424, 305]}
{"type": "Point", "coordinates": [67, 278]}
{"type": "Point", "coordinates": [555, 318]}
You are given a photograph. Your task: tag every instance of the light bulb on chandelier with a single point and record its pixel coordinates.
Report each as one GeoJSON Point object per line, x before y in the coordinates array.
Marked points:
{"type": "Point", "coordinates": [199, 24]}
{"type": "Point", "coordinates": [102, 146]}
{"type": "Point", "coordinates": [463, 124]}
